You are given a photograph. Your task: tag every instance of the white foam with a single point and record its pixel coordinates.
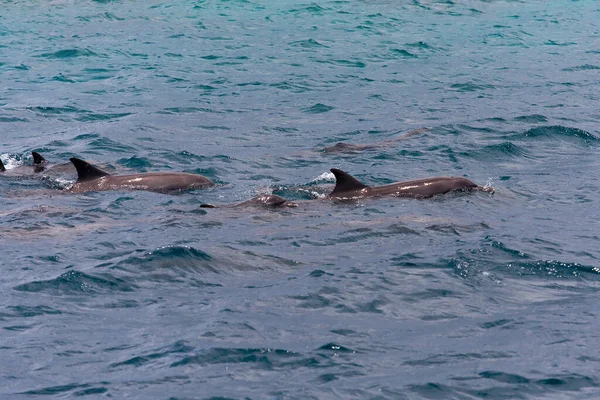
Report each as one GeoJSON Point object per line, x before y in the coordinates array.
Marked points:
{"type": "Point", "coordinates": [10, 162]}
{"type": "Point", "coordinates": [325, 176]}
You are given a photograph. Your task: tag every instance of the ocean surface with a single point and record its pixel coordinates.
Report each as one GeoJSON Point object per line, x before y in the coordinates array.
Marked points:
{"type": "Point", "coordinates": [141, 295]}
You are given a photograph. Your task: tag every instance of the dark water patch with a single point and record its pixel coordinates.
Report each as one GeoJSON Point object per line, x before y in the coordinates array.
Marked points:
{"type": "Point", "coordinates": [470, 87]}
{"type": "Point", "coordinates": [88, 117]}
{"type": "Point", "coordinates": [173, 350]}
{"type": "Point", "coordinates": [313, 9]}
{"type": "Point", "coordinates": [532, 119]}
{"type": "Point", "coordinates": [18, 328]}
{"type": "Point", "coordinates": [170, 259]}
{"type": "Point", "coordinates": [69, 53]}
{"type": "Point", "coordinates": [318, 108]}
{"type": "Point", "coordinates": [553, 269]}
{"type": "Point", "coordinates": [357, 235]}
{"type": "Point", "coordinates": [106, 144]}
{"type": "Point", "coordinates": [62, 78]}
{"type": "Point", "coordinates": [317, 273]}
{"type": "Point", "coordinates": [498, 249]}
{"type": "Point", "coordinates": [47, 111]}
{"type": "Point", "coordinates": [13, 119]}
{"type": "Point", "coordinates": [502, 151]}
{"type": "Point", "coordinates": [561, 132]}
{"type": "Point", "coordinates": [500, 323]}
{"type": "Point", "coordinates": [86, 136]}
{"type": "Point", "coordinates": [346, 63]}
{"type": "Point", "coordinates": [557, 43]}
{"type": "Point", "coordinates": [91, 391]}
{"type": "Point", "coordinates": [294, 87]}
{"type": "Point", "coordinates": [136, 163]}
{"type": "Point", "coordinates": [451, 357]}
{"type": "Point", "coordinates": [430, 294]}
{"type": "Point", "coordinates": [28, 311]}
{"type": "Point", "coordinates": [335, 348]}
{"type": "Point", "coordinates": [569, 383]}
{"type": "Point", "coordinates": [504, 377]}
{"type": "Point", "coordinates": [55, 390]}
{"type": "Point", "coordinates": [75, 282]}
{"type": "Point", "coordinates": [420, 45]}
{"type": "Point", "coordinates": [403, 53]}
{"type": "Point", "coordinates": [261, 358]}
{"type": "Point", "coordinates": [585, 67]}
{"type": "Point", "coordinates": [308, 44]}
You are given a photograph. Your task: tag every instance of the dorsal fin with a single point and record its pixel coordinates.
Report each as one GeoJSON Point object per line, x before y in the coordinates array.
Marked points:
{"type": "Point", "coordinates": [2, 169]}
{"type": "Point", "coordinates": [86, 171]}
{"type": "Point", "coordinates": [345, 182]}
{"type": "Point", "coordinates": [37, 158]}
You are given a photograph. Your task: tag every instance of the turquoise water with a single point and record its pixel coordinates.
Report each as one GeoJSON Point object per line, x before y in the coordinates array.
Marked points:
{"type": "Point", "coordinates": [148, 296]}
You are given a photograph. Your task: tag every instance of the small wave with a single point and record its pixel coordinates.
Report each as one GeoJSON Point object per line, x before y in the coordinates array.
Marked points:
{"type": "Point", "coordinates": [532, 118]}
{"type": "Point", "coordinates": [552, 268]}
{"type": "Point", "coordinates": [504, 150]}
{"type": "Point", "coordinates": [69, 53]}
{"type": "Point", "coordinates": [76, 282]}
{"type": "Point", "coordinates": [169, 258]}
{"type": "Point", "coordinates": [308, 43]}
{"type": "Point", "coordinates": [318, 108]}
{"type": "Point", "coordinates": [558, 131]}
{"type": "Point", "coordinates": [261, 358]}
{"type": "Point", "coordinates": [585, 67]}
{"type": "Point", "coordinates": [135, 162]}
{"type": "Point", "coordinates": [470, 87]}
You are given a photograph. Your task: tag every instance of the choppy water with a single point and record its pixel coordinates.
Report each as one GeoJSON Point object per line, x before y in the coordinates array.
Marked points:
{"type": "Point", "coordinates": [147, 296]}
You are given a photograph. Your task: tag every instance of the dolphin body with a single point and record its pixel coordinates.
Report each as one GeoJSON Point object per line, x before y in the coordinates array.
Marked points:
{"type": "Point", "coordinates": [264, 201]}
{"type": "Point", "coordinates": [343, 147]}
{"type": "Point", "coordinates": [348, 187]}
{"type": "Point", "coordinates": [92, 179]}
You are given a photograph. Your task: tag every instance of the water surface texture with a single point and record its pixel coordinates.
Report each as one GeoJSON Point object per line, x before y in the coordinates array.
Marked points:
{"type": "Point", "coordinates": [144, 295]}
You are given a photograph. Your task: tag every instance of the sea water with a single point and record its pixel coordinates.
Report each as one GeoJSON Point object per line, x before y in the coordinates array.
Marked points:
{"type": "Point", "coordinates": [145, 295]}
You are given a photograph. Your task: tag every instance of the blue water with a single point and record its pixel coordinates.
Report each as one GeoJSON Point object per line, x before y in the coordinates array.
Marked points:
{"type": "Point", "coordinates": [148, 296]}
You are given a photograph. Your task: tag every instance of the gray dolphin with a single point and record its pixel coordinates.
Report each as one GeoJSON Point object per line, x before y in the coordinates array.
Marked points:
{"type": "Point", "coordinates": [343, 147]}
{"type": "Point", "coordinates": [348, 187]}
{"type": "Point", "coordinates": [265, 200]}
{"type": "Point", "coordinates": [92, 179]}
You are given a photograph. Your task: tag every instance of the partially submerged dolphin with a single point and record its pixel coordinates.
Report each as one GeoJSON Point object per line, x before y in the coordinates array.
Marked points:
{"type": "Point", "coordinates": [348, 187]}
{"type": "Point", "coordinates": [343, 147]}
{"type": "Point", "coordinates": [92, 179]}
{"type": "Point", "coordinates": [265, 200]}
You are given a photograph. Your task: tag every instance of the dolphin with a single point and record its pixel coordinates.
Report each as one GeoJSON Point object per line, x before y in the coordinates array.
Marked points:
{"type": "Point", "coordinates": [342, 147]}
{"type": "Point", "coordinates": [348, 187]}
{"type": "Point", "coordinates": [265, 201]}
{"type": "Point", "coordinates": [92, 179]}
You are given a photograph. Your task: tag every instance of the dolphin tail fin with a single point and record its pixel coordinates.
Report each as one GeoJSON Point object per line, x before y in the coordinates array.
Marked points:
{"type": "Point", "coordinates": [37, 158]}
{"type": "Point", "coordinates": [2, 169]}
{"type": "Point", "coordinates": [345, 182]}
{"type": "Point", "coordinates": [86, 171]}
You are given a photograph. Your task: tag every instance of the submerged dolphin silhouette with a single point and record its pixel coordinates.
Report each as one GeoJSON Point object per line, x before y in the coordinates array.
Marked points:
{"type": "Point", "coordinates": [348, 187]}
{"type": "Point", "coordinates": [343, 147]}
{"type": "Point", "coordinates": [265, 200]}
{"type": "Point", "coordinates": [92, 179]}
